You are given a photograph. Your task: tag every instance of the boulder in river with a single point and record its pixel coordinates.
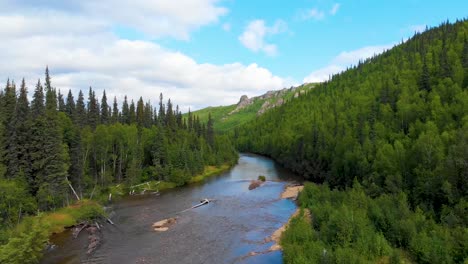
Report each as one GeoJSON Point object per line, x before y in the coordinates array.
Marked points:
{"type": "Point", "coordinates": [164, 225]}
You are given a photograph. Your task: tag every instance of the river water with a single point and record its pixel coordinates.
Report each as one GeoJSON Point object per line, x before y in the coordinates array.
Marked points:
{"type": "Point", "coordinates": [224, 231]}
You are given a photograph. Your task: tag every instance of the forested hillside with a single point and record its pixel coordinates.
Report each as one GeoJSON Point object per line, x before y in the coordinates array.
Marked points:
{"type": "Point", "coordinates": [53, 143]}
{"type": "Point", "coordinates": [397, 125]}
{"type": "Point", "coordinates": [247, 109]}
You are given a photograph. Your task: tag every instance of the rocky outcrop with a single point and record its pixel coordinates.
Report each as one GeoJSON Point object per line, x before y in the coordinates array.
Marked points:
{"type": "Point", "coordinates": [243, 103]}
{"type": "Point", "coordinates": [271, 99]}
{"type": "Point", "coordinates": [267, 106]}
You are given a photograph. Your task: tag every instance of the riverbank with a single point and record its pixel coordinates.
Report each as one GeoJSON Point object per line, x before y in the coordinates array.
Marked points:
{"type": "Point", "coordinates": [32, 233]}
{"type": "Point", "coordinates": [210, 171]}
{"type": "Point", "coordinates": [29, 238]}
{"type": "Point", "coordinates": [121, 190]}
{"type": "Point", "coordinates": [289, 192]}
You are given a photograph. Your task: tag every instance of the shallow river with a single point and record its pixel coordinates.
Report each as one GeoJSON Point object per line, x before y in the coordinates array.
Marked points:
{"type": "Point", "coordinates": [224, 231]}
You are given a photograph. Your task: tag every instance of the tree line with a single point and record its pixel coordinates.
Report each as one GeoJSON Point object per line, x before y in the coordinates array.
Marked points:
{"type": "Point", "coordinates": [53, 144]}
{"type": "Point", "coordinates": [397, 122]}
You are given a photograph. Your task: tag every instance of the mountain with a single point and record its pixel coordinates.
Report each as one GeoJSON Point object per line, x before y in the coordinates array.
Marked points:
{"type": "Point", "coordinates": [227, 117]}
{"type": "Point", "coordinates": [390, 136]}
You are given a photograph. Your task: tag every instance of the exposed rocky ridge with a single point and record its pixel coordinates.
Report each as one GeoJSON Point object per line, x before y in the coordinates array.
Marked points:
{"type": "Point", "coordinates": [269, 98]}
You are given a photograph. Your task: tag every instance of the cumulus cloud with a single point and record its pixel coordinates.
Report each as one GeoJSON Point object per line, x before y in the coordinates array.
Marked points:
{"type": "Point", "coordinates": [343, 60]}
{"type": "Point", "coordinates": [334, 9]}
{"type": "Point", "coordinates": [255, 33]}
{"type": "Point", "coordinates": [82, 51]}
{"type": "Point", "coordinates": [154, 18]}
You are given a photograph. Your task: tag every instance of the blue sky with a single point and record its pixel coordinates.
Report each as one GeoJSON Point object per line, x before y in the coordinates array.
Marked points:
{"type": "Point", "coordinates": [311, 43]}
{"type": "Point", "coordinates": [202, 52]}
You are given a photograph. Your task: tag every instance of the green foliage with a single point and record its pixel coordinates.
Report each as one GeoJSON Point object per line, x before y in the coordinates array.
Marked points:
{"type": "Point", "coordinates": [351, 225]}
{"type": "Point", "coordinates": [28, 240]}
{"type": "Point", "coordinates": [14, 203]}
{"type": "Point", "coordinates": [28, 246]}
{"type": "Point", "coordinates": [262, 178]}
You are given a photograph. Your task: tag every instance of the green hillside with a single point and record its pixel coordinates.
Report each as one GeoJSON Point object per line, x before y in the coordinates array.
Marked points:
{"type": "Point", "coordinates": [226, 118]}
{"type": "Point", "coordinates": [390, 138]}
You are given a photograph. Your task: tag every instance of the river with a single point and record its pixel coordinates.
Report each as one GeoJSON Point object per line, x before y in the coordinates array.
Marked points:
{"type": "Point", "coordinates": [224, 231]}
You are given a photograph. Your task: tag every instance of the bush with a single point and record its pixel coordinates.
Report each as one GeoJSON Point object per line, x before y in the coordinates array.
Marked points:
{"type": "Point", "coordinates": [261, 178]}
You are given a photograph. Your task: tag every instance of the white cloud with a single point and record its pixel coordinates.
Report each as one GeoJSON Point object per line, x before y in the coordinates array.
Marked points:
{"type": "Point", "coordinates": [334, 9]}
{"type": "Point", "coordinates": [154, 18]}
{"type": "Point", "coordinates": [343, 60]}
{"type": "Point", "coordinates": [89, 54]}
{"type": "Point", "coordinates": [313, 13]}
{"type": "Point", "coordinates": [255, 33]}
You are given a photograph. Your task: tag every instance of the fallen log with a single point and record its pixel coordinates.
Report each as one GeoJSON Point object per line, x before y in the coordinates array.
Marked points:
{"type": "Point", "coordinates": [77, 231]}
{"type": "Point", "coordinates": [202, 202]}
{"type": "Point", "coordinates": [110, 221]}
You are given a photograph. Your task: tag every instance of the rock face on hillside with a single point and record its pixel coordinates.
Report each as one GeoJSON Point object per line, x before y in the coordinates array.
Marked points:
{"type": "Point", "coordinates": [271, 100]}
{"type": "Point", "coordinates": [268, 105]}
{"type": "Point", "coordinates": [243, 103]}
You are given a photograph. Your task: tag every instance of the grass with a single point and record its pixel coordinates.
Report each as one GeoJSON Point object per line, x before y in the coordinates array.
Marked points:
{"type": "Point", "coordinates": [56, 222]}
{"type": "Point", "coordinates": [210, 171]}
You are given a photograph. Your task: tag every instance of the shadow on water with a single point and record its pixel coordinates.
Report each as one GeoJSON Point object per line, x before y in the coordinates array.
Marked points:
{"type": "Point", "coordinates": [224, 231]}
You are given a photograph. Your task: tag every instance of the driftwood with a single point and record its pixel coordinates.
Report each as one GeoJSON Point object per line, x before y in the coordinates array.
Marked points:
{"type": "Point", "coordinates": [202, 202]}
{"type": "Point", "coordinates": [147, 183]}
{"type": "Point", "coordinates": [110, 221]}
{"type": "Point", "coordinates": [77, 230]}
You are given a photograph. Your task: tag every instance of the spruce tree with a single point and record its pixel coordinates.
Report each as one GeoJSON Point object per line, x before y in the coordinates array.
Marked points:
{"type": "Point", "coordinates": [131, 113]}
{"type": "Point", "coordinates": [190, 120]}
{"type": "Point", "coordinates": [140, 118]}
{"type": "Point", "coordinates": [70, 105]}
{"type": "Point", "coordinates": [178, 117]}
{"type": "Point", "coordinates": [125, 112]}
{"type": "Point", "coordinates": [19, 161]}
{"type": "Point", "coordinates": [148, 115]}
{"type": "Point", "coordinates": [80, 117]}
{"type": "Point", "coordinates": [51, 181]}
{"type": "Point", "coordinates": [93, 109]}
{"type": "Point", "coordinates": [115, 111]}
{"type": "Point", "coordinates": [170, 118]}
{"type": "Point", "coordinates": [105, 114]}
{"type": "Point", "coordinates": [38, 138]}
{"type": "Point", "coordinates": [162, 110]}
{"type": "Point", "coordinates": [37, 105]}
{"type": "Point", "coordinates": [61, 102]}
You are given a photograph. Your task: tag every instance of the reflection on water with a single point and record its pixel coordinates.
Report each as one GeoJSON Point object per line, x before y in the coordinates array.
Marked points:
{"type": "Point", "coordinates": [224, 231]}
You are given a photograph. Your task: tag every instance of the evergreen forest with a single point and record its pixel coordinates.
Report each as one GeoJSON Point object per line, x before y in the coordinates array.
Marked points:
{"type": "Point", "coordinates": [57, 149]}
{"type": "Point", "coordinates": [395, 127]}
